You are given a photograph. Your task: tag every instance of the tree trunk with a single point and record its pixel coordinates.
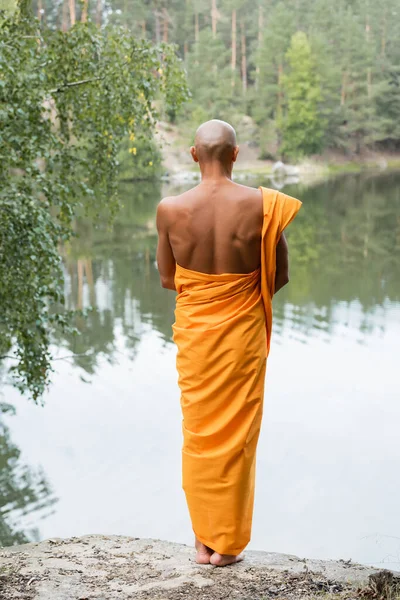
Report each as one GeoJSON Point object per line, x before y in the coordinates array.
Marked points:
{"type": "Point", "coordinates": [344, 89]}
{"type": "Point", "coordinates": [165, 25]}
{"type": "Point", "coordinates": [185, 51]}
{"type": "Point", "coordinates": [72, 12]}
{"type": "Point", "coordinates": [157, 18]}
{"type": "Point", "coordinates": [39, 10]}
{"type": "Point", "coordinates": [99, 12]}
{"type": "Point", "coordinates": [147, 263]}
{"type": "Point", "coordinates": [297, 15]}
{"type": "Point", "coordinates": [144, 28]}
{"type": "Point", "coordinates": [85, 10]}
{"type": "Point", "coordinates": [64, 22]}
{"type": "Point", "coordinates": [244, 59]}
{"type": "Point", "coordinates": [89, 279]}
{"type": "Point", "coordinates": [383, 39]}
{"type": "Point", "coordinates": [368, 39]}
{"type": "Point", "coordinates": [280, 93]}
{"type": "Point", "coordinates": [214, 17]}
{"type": "Point", "coordinates": [233, 62]}
{"type": "Point", "coordinates": [369, 82]}
{"type": "Point", "coordinates": [196, 27]}
{"type": "Point", "coordinates": [260, 40]}
{"type": "Point", "coordinates": [79, 303]}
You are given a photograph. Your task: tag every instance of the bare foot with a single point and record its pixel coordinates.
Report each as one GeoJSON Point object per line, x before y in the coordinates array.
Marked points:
{"type": "Point", "coordinates": [203, 553]}
{"type": "Point", "coordinates": [222, 560]}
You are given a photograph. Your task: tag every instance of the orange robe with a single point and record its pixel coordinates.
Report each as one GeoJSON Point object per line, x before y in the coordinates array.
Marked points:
{"type": "Point", "coordinates": [223, 331]}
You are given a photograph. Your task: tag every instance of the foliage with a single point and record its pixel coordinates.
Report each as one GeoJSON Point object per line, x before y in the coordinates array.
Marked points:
{"type": "Point", "coordinates": [386, 98]}
{"type": "Point", "coordinates": [66, 99]}
{"type": "Point", "coordinates": [141, 161]}
{"type": "Point", "coordinates": [355, 56]}
{"type": "Point", "coordinates": [208, 76]}
{"type": "Point", "coordinates": [8, 6]}
{"type": "Point", "coordinates": [302, 126]}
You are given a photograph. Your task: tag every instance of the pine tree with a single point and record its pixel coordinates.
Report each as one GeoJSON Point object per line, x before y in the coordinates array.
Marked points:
{"type": "Point", "coordinates": [386, 98]}
{"type": "Point", "coordinates": [302, 126]}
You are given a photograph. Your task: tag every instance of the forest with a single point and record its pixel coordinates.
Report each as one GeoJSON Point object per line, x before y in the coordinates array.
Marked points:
{"type": "Point", "coordinates": [312, 74]}
{"type": "Point", "coordinates": [84, 85]}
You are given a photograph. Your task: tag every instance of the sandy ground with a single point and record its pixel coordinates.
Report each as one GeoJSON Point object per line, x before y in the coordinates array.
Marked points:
{"type": "Point", "coordinates": [97, 567]}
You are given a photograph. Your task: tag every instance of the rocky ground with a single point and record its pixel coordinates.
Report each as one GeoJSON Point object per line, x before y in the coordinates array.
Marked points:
{"type": "Point", "coordinates": [99, 567]}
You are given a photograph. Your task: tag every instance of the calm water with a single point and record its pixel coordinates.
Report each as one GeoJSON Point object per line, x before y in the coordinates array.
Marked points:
{"type": "Point", "coordinates": [103, 455]}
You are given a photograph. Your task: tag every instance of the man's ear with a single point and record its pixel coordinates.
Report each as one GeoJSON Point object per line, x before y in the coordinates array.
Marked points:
{"type": "Point", "coordinates": [235, 153]}
{"type": "Point", "coordinates": [193, 153]}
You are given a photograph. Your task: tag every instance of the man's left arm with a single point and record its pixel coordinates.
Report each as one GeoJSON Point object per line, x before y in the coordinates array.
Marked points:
{"type": "Point", "coordinates": [282, 264]}
{"type": "Point", "coordinates": [165, 258]}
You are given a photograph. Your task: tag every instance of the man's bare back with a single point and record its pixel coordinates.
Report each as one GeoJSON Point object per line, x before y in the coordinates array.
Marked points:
{"type": "Point", "coordinates": [215, 227]}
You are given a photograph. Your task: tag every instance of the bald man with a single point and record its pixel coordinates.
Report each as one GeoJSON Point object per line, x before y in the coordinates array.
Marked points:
{"type": "Point", "coordinates": [221, 247]}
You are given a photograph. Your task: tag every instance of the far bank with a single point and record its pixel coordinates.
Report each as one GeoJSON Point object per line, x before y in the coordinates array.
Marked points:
{"type": "Point", "coordinates": [168, 158]}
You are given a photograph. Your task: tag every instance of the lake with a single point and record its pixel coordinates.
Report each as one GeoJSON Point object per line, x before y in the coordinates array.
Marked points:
{"type": "Point", "coordinates": [103, 454]}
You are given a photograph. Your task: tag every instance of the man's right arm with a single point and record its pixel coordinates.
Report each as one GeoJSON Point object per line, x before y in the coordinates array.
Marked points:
{"type": "Point", "coordinates": [165, 258]}
{"type": "Point", "coordinates": [282, 264]}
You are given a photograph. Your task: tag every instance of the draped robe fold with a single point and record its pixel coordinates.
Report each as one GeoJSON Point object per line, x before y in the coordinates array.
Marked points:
{"type": "Point", "coordinates": [222, 331]}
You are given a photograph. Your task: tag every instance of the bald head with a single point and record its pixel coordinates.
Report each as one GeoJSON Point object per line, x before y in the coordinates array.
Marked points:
{"type": "Point", "coordinates": [215, 140]}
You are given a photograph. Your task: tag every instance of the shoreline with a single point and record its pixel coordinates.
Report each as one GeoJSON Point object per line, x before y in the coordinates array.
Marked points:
{"type": "Point", "coordinates": [178, 166]}
{"type": "Point", "coordinates": [307, 173]}
{"type": "Point", "coordinates": [98, 567]}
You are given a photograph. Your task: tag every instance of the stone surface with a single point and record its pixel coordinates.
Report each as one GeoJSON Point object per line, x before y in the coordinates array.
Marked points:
{"type": "Point", "coordinates": [97, 567]}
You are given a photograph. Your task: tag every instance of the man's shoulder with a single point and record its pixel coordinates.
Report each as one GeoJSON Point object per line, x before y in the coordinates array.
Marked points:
{"type": "Point", "coordinates": [247, 194]}
{"type": "Point", "coordinates": [170, 203]}
{"type": "Point", "coordinates": [166, 203]}
{"type": "Point", "coordinates": [164, 210]}
{"type": "Point", "coordinates": [170, 207]}
{"type": "Point", "coordinates": [249, 191]}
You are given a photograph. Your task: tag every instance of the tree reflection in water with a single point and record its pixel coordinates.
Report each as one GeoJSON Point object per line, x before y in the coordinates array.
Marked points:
{"type": "Point", "coordinates": [23, 491]}
{"type": "Point", "coordinates": [344, 248]}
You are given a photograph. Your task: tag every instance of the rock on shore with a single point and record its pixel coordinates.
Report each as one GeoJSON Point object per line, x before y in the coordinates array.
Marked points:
{"type": "Point", "coordinates": [97, 567]}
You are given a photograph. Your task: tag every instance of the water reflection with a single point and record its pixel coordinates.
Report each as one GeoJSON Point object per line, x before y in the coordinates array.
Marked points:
{"type": "Point", "coordinates": [345, 254]}
{"type": "Point", "coordinates": [345, 258]}
{"type": "Point", "coordinates": [23, 491]}
{"type": "Point", "coordinates": [113, 271]}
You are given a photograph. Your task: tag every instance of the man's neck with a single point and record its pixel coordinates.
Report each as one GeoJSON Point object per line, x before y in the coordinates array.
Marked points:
{"type": "Point", "coordinates": [214, 171]}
